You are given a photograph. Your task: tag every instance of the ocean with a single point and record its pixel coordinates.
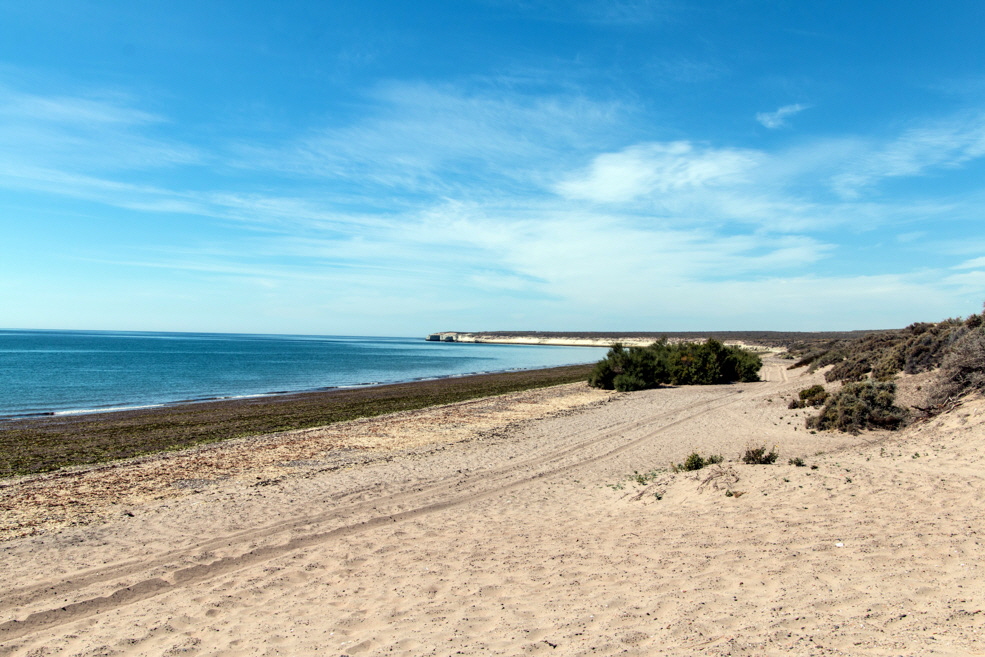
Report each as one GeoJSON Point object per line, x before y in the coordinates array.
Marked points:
{"type": "Point", "coordinates": [70, 372]}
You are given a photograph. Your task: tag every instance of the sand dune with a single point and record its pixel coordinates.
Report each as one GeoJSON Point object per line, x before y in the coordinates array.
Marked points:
{"type": "Point", "coordinates": [509, 526]}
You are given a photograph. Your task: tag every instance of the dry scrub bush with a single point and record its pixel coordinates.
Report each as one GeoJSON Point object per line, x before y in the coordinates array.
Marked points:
{"type": "Point", "coordinates": [759, 456]}
{"type": "Point", "coordinates": [696, 462]}
{"type": "Point", "coordinates": [859, 406]}
{"type": "Point", "coordinates": [963, 369]}
{"type": "Point", "coordinates": [722, 477]}
{"type": "Point", "coordinates": [816, 395]}
{"type": "Point", "coordinates": [920, 347]}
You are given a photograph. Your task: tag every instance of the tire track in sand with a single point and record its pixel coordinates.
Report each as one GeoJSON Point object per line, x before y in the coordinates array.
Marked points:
{"type": "Point", "coordinates": [579, 440]}
{"type": "Point", "coordinates": [590, 446]}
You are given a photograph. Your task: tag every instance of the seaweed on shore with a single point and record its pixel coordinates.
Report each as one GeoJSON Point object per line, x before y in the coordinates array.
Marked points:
{"type": "Point", "coordinates": [34, 445]}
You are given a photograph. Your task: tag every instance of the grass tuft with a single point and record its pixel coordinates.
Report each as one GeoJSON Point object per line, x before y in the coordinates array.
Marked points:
{"type": "Point", "coordinates": [759, 456]}
{"type": "Point", "coordinates": [696, 462]}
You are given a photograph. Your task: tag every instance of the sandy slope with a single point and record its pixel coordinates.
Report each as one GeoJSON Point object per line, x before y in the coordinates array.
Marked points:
{"type": "Point", "coordinates": [481, 532]}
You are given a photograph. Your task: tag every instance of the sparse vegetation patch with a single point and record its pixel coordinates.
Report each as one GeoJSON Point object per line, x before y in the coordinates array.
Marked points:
{"type": "Point", "coordinates": [962, 370]}
{"type": "Point", "coordinates": [696, 462]}
{"type": "Point", "coordinates": [816, 395]}
{"type": "Point", "coordinates": [880, 355]}
{"type": "Point", "coordinates": [859, 406]}
{"type": "Point", "coordinates": [759, 456]}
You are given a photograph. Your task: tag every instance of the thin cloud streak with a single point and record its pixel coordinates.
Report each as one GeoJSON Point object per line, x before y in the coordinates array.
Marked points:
{"type": "Point", "coordinates": [654, 169]}
{"type": "Point", "coordinates": [19, 106]}
{"type": "Point", "coordinates": [778, 119]}
{"type": "Point", "coordinates": [423, 139]}
{"type": "Point", "coordinates": [942, 145]}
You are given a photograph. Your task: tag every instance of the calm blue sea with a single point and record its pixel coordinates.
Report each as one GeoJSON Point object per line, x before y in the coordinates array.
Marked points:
{"type": "Point", "coordinates": [92, 371]}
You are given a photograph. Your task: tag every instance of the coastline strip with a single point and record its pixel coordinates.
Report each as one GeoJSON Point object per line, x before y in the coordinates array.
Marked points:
{"type": "Point", "coordinates": [34, 445]}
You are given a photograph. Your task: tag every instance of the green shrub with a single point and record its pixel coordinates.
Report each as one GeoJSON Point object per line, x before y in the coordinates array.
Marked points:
{"type": "Point", "coordinates": [639, 368]}
{"type": "Point", "coordinates": [813, 396]}
{"type": "Point", "coordinates": [627, 382]}
{"type": "Point", "coordinates": [859, 406]}
{"type": "Point", "coordinates": [828, 357]}
{"type": "Point", "coordinates": [816, 395]}
{"type": "Point", "coordinates": [645, 478]}
{"type": "Point", "coordinates": [695, 462]}
{"type": "Point", "coordinates": [759, 456]}
{"type": "Point", "coordinates": [889, 363]}
{"type": "Point", "coordinates": [927, 350]}
{"type": "Point", "coordinates": [603, 375]}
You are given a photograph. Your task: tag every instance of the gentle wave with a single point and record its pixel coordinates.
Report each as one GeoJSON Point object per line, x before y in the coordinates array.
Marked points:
{"type": "Point", "coordinates": [83, 372]}
{"type": "Point", "coordinates": [111, 409]}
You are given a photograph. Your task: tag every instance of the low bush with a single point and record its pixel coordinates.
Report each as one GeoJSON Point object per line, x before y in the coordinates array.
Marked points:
{"type": "Point", "coordinates": [695, 462]}
{"type": "Point", "coordinates": [920, 347]}
{"type": "Point", "coordinates": [809, 353]}
{"type": "Point", "coordinates": [688, 363]}
{"type": "Point", "coordinates": [859, 406]}
{"type": "Point", "coordinates": [759, 456]}
{"type": "Point", "coordinates": [963, 369]}
{"type": "Point", "coordinates": [628, 382]}
{"type": "Point", "coordinates": [816, 395]}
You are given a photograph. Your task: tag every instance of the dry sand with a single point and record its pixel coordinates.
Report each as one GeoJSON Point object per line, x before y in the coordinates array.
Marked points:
{"type": "Point", "coordinates": [509, 527]}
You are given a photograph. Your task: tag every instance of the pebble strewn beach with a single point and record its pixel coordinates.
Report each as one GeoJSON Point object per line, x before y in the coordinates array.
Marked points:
{"type": "Point", "coordinates": [513, 525]}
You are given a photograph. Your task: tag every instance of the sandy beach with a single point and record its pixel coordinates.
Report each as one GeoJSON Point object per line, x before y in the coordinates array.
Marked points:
{"type": "Point", "coordinates": [511, 526]}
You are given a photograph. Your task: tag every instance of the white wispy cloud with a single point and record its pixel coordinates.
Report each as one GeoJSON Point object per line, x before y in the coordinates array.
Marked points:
{"type": "Point", "coordinates": [974, 263]}
{"type": "Point", "coordinates": [656, 168]}
{"type": "Point", "coordinates": [89, 134]}
{"type": "Point", "coordinates": [440, 140]}
{"type": "Point", "coordinates": [945, 144]}
{"type": "Point", "coordinates": [971, 281]}
{"type": "Point", "coordinates": [778, 119]}
{"type": "Point", "coordinates": [105, 109]}
{"type": "Point", "coordinates": [626, 12]}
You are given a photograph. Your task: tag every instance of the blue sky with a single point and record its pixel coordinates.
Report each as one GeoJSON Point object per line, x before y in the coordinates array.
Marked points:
{"type": "Point", "coordinates": [395, 168]}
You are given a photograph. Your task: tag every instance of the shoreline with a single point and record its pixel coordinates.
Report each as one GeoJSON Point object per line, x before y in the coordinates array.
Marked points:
{"type": "Point", "coordinates": [40, 415]}
{"type": "Point", "coordinates": [45, 443]}
{"type": "Point", "coordinates": [67, 372]}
